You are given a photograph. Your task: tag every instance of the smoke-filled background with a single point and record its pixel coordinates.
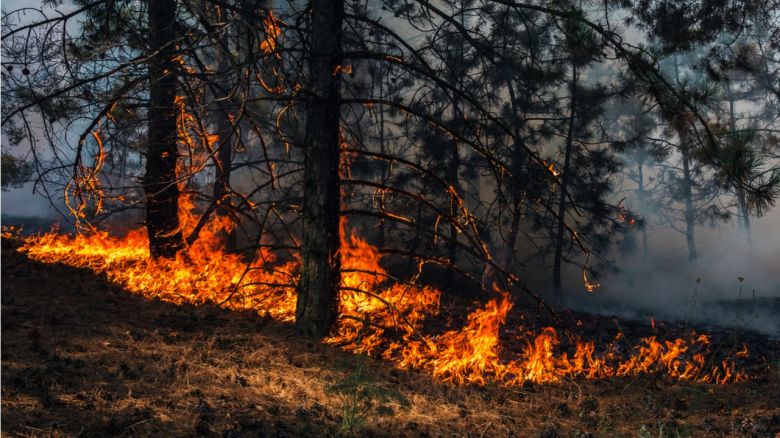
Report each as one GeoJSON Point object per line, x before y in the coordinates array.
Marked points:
{"type": "Point", "coordinates": [731, 284]}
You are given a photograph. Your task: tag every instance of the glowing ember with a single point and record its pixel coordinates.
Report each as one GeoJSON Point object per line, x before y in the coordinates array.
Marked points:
{"type": "Point", "coordinates": [380, 317]}
{"type": "Point", "coordinates": [272, 32]}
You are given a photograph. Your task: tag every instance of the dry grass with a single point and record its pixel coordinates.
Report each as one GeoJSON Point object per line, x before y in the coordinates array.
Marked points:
{"type": "Point", "coordinates": [84, 358]}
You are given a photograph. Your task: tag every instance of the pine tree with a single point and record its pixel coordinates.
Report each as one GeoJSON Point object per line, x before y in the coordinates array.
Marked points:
{"type": "Point", "coordinates": [316, 310]}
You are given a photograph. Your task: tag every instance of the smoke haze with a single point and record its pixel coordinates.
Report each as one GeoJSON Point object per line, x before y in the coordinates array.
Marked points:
{"type": "Point", "coordinates": [669, 286]}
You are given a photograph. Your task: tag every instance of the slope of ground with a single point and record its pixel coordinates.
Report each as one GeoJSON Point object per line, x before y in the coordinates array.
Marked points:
{"type": "Point", "coordinates": [80, 357]}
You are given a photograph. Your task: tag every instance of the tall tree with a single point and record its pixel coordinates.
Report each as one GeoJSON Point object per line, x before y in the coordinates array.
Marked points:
{"type": "Point", "coordinates": [743, 166]}
{"type": "Point", "coordinates": [566, 173]}
{"type": "Point", "coordinates": [317, 306]}
{"type": "Point", "coordinates": [587, 194]}
{"type": "Point", "coordinates": [160, 182]}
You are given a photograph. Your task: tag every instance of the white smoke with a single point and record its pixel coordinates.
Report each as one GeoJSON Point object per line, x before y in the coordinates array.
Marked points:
{"type": "Point", "coordinates": [733, 283]}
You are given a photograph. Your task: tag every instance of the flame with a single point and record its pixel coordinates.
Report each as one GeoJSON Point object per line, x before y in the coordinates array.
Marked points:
{"type": "Point", "coordinates": [589, 286]}
{"type": "Point", "coordinates": [380, 316]}
{"type": "Point", "coordinates": [346, 69]}
{"type": "Point", "coordinates": [272, 31]}
{"type": "Point", "coordinates": [84, 190]}
{"type": "Point", "coordinates": [551, 168]}
{"type": "Point", "coordinates": [199, 274]}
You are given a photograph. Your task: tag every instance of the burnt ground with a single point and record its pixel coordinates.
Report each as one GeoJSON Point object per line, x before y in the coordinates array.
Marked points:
{"type": "Point", "coordinates": [81, 357]}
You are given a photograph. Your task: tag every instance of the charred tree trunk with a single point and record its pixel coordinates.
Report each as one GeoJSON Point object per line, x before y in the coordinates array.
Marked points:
{"type": "Point", "coordinates": [411, 264]}
{"type": "Point", "coordinates": [225, 132]}
{"type": "Point", "coordinates": [514, 230]}
{"type": "Point", "coordinates": [565, 173]}
{"type": "Point", "coordinates": [520, 180]}
{"type": "Point", "coordinates": [452, 244]}
{"type": "Point", "coordinates": [160, 185]}
{"type": "Point", "coordinates": [317, 306]}
{"type": "Point", "coordinates": [382, 148]}
{"type": "Point", "coordinates": [453, 173]}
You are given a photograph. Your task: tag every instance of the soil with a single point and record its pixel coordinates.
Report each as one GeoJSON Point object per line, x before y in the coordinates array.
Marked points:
{"type": "Point", "coordinates": [82, 357]}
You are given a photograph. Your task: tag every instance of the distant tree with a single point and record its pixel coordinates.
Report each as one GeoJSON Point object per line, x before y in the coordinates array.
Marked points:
{"type": "Point", "coordinates": [687, 190]}
{"type": "Point", "coordinates": [713, 33]}
{"type": "Point", "coordinates": [641, 157]}
{"type": "Point", "coordinates": [743, 163]}
{"type": "Point", "coordinates": [15, 171]}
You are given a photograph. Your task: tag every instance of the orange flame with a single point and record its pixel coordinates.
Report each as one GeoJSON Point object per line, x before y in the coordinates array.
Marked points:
{"type": "Point", "coordinates": [272, 32]}
{"type": "Point", "coordinates": [379, 315]}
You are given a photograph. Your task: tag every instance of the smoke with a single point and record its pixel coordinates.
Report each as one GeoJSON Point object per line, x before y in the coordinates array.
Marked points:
{"type": "Point", "coordinates": [733, 283]}
{"type": "Point", "coordinates": [22, 202]}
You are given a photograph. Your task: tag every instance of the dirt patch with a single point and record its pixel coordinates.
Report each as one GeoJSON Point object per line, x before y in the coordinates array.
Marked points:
{"type": "Point", "coordinates": [82, 357]}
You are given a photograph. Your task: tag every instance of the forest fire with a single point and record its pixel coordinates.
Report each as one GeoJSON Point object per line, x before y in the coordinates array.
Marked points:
{"type": "Point", "coordinates": [379, 316]}
{"type": "Point", "coordinates": [447, 218]}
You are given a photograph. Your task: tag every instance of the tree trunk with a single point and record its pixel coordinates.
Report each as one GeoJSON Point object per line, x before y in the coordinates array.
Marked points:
{"type": "Point", "coordinates": [514, 230]}
{"type": "Point", "coordinates": [690, 214]}
{"type": "Point", "coordinates": [642, 208]}
{"type": "Point", "coordinates": [382, 149]}
{"type": "Point", "coordinates": [565, 174]}
{"type": "Point", "coordinates": [457, 72]}
{"type": "Point", "coordinates": [521, 180]}
{"type": "Point", "coordinates": [317, 306]}
{"type": "Point", "coordinates": [411, 264]}
{"type": "Point", "coordinates": [160, 186]}
{"type": "Point", "coordinates": [225, 133]}
{"type": "Point", "coordinates": [741, 198]}
{"type": "Point", "coordinates": [452, 244]}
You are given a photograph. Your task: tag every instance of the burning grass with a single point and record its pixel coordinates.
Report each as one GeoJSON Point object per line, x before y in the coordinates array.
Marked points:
{"type": "Point", "coordinates": [82, 357]}
{"type": "Point", "coordinates": [385, 318]}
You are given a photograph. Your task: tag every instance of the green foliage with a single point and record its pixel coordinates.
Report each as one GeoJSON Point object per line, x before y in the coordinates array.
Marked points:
{"type": "Point", "coordinates": [361, 397]}
{"type": "Point", "coordinates": [15, 171]}
{"type": "Point", "coordinates": [741, 165]}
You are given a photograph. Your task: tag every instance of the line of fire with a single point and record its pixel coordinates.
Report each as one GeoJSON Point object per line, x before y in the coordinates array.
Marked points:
{"type": "Point", "coordinates": [491, 195]}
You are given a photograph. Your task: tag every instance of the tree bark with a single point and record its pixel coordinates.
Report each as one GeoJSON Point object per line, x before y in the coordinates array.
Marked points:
{"type": "Point", "coordinates": [225, 133]}
{"type": "Point", "coordinates": [453, 173]}
{"type": "Point", "coordinates": [160, 185]}
{"type": "Point", "coordinates": [565, 174]}
{"type": "Point", "coordinates": [519, 158]}
{"type": "Point", "coordinates": [317, 306]}
{"type": "Point", "coordinates": [383, 167]}
{"type": "Point", "coordinates": [452, 243]}
{"type": "Point", "coordinates": [411, 264]}
{"type": "Point", "coordinates": [690, 214]}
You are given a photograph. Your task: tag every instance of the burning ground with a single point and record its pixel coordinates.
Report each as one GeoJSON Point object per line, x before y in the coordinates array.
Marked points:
{"type": "Point", "coordinates": [399, 321]}
{"type": "Point", "coordinates": [82, 355]}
